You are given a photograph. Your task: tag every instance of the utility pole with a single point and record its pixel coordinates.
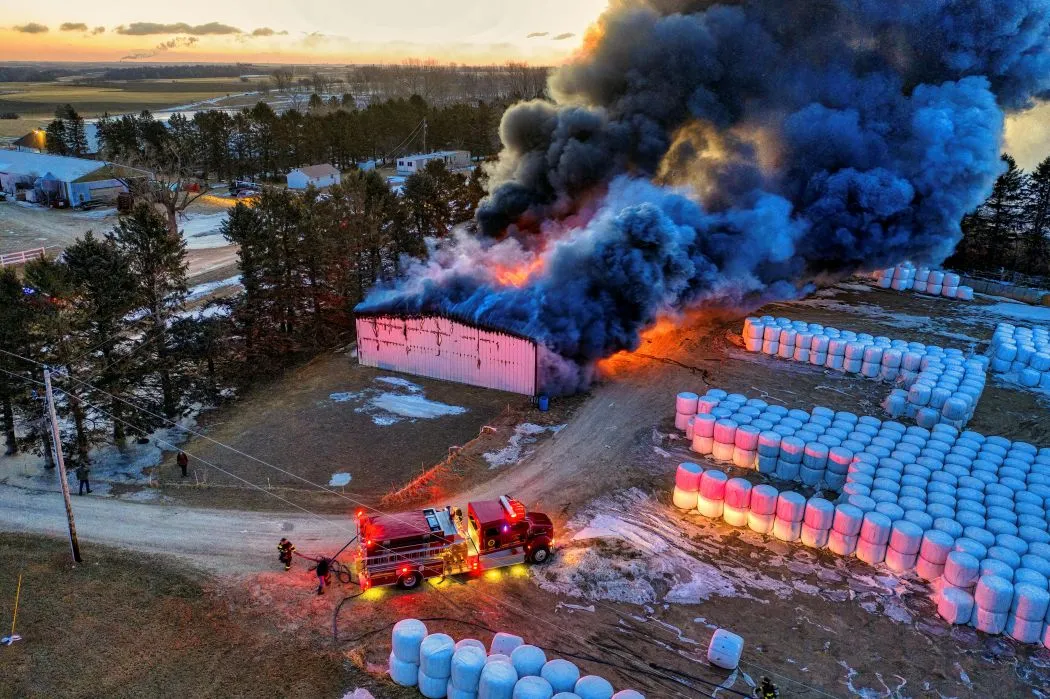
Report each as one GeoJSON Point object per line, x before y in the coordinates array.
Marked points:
{"type": "Point", "coordinates": [425, 125]}
{"type": "Point", "coordinates": [56, 435]}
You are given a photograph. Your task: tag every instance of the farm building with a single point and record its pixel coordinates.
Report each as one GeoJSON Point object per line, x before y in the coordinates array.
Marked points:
{"type": "Point", "coordinates": [36, 141]}
{"type": "Point", "coordinates": [444, 348]}
{"type": "Point", "coordinates": [453, 159]}
{"type": "Point", "coordinates": [314, 176]}
{"type": "Point", "coordinates": [54, 178]}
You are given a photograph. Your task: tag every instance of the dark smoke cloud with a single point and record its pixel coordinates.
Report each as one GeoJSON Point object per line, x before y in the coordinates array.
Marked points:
{"type": "Point", "coordinates": [73, 27]}
{"type": "Point", "coordinates": [31, 28]}
{"type": "Point", "coordinates": [563, 37]}
{"type": "Point", "coordinates": [724, 153]}
{"type": "Point", "coordinates": [148, 28]}
{"type": "Point", "coordinates": [536, 35]}
{"type": "Point", "coordinates": [266, 31]}
{"type": "Point", "coordinates": [178, 42]}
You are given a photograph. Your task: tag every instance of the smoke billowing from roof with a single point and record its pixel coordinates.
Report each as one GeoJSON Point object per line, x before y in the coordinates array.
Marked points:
{"type": "Point", "coordinates": [725, 153]}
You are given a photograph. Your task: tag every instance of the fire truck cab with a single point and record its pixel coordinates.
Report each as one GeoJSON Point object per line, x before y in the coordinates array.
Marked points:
{"type": "Point", "coordinates": [405, 548]}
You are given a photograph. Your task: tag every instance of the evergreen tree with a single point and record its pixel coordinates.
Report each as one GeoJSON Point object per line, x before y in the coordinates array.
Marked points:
{"type": "Point", "coordinates": [14, 338]}
{"type": "Point", "coordinates": [1037, 245]}
{"type": "Point", "coordinates": [56, 138]}
{"type": "Point", "coordinates": [157, 262]}
{"type": "Point", "coordinates": [105, 296]}
{"type": "Point", "coordinates": [76, 136]}
{"type": "Point", "coordinates": [243, 227]}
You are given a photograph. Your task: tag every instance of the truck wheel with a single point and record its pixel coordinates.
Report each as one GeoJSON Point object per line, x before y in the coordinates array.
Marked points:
{"type": "Point", "coordinates": [409, 580]}
{"type": "Point", "coordinates": [540, 554]}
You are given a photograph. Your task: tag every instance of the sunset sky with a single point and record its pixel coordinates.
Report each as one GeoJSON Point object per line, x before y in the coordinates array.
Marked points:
{"type": "Point", "coordinates": [321, 31]}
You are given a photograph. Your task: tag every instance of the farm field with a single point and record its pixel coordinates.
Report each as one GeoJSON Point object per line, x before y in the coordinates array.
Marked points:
{"type": "Point", "coordinates": [36, 102]}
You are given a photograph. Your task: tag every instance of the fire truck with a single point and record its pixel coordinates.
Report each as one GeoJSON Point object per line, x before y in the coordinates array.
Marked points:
{"type": "Point", "coordinates": [405, 548]}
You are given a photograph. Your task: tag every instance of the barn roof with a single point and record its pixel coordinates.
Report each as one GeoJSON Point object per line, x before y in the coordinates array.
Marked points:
{"type": "Point", "coordinates": [62, 168]}
{"type": "Point", "coordinates": [314, 171]}
{"type": "Point", "coordinates": [454, 317]}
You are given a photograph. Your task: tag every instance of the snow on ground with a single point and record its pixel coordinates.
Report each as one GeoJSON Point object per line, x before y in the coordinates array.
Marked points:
{"type": "Point", "coordinates": [95, 214]}
{"type": "Point", "coordinates": [626, 547]}
{"type": "Point", "coordinates": [201, 290]}
{"type": "Point", "coordinates": [524, 435]}
{"type": "Point", "coordinates": [1018, 311]}
{"type": "Point", "coordinates": [389, 407]}
{"type": "Point", "coordinates": [201, 231]}
{"type": "Point", "coordinates": [339, 479]}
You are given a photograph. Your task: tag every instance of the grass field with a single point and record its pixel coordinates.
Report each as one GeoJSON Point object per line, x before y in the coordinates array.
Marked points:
{"type": "Point", "coordinates": [36, 102]}
{"type": "Point", "coordinates": [130, 625]}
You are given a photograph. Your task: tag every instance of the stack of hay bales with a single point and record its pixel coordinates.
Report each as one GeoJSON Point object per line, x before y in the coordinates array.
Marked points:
{"type": "Point", "coordinates": [967, 512]}
{"type": "Point", "coordinates": [924, 280]}
{"type": "Point", "coordinates": [936, 385]}
{"type": "Point", "coordinates": [1024, 351]}
{"type": "Point", "coordinates": [440, 667]}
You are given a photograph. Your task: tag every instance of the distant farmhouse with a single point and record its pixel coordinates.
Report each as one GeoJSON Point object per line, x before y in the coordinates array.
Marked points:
{"type": "Point", "coordinates": [36, 141]}
{"type": "Point", "coordinates": [318, 176]}
{"type": "Point", "coordinates": [453, 159]}
{"type": "Point", "coordinates": [53, 179]}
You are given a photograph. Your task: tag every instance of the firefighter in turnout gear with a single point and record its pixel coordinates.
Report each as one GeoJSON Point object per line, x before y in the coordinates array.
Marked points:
{"type": "Point", "coordinates": [285, 550]}
{"type": "Point", "coordinates": [766, 690]}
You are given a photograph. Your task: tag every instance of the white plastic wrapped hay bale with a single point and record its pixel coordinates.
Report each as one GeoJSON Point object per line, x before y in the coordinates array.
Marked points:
{"type": "Point", "coordinates": [504, 644]}
{"type": "Point", "coordinates": [1030, 602]}
{"type": "Point", "coordinates": [712, 493]}
{"type": "Point", "coordinates": [725, 649]}
{"type": "Point", "coordinates": [471, 642]}
{"type": "Point", "coordinates": [687, 486]}
{"type": "Point", "coordinates": [686, 402]}
{"type": "Point", "coordinates": [528, 660]}
{"type": "Point", "coordinates": [497, 680]}
{"type": "Point", "coordinates": [532, 687]}
{"type": "Point", "coordinates": [955, 605]}
{"type": "Point", "coordinates": [432, 687]}
{"type": "Point", "coordinates": [871, 553]}
{"type": "Point", "coordinates": [406, 638]}
{"type": "Point", "coordinates": [435, 656]}
{"type": "Point", "coordinates": [566, 695]}
{"type": "Point", "coordinates": [467, 663]}
{"type": "Point", "coordinates": [561, 674]}
{"type": "Point", "coordinates": [593, 687]}
{"type": "Point", "coordinates": [989, 622]}
{"type": "Point", "coordinates": [455, 693]}
{"type": "Point", "coordinates": [993, 594]}
{"type": "Point", "coordinates": [402, 673]}
{"type": "Point", "coordinates": [1024, 630]}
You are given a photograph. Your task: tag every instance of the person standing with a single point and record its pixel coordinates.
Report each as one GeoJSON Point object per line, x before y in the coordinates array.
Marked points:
{"type": "Point", "coordinates": [183, 461]}
{"type": "Point", "coordinates": [285, 549]}
{"type": "Point", "coordinates": [323, 574]}
{"type": "Point", "coordinates": [83, 473]}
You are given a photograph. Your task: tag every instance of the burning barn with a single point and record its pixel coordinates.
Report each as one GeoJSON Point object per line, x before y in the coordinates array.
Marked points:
{"type": "Point", "coordinates": [445, 348]}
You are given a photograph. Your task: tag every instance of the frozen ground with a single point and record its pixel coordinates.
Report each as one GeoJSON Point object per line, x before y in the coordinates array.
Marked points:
{"type": "Point", "coordinates": [202, 290]}
{"type": "Point", "coordinates": [201, 231]}
{"type": "Point", "coordinates": [388, 407]}
{"type": "Point", "coordinates": [524, 435]}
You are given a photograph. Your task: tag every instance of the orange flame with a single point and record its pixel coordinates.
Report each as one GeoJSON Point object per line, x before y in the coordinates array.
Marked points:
{"type": "Point", "coordinates": [518, 275]}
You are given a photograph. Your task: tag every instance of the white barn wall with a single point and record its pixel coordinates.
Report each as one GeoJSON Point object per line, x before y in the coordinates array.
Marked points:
{"type": "Point", "coordinates": [446, 349]}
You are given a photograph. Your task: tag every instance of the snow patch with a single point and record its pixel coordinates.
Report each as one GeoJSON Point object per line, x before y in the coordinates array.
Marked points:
{"type": "Point", "coordinates": [1019, 311]}
{"type": "Point", "coordinates": [402, 383]}
{"type": "Point", "coordinates": [415, 406]}
{"type": "Point", "coordinates": [524, 435]}
{"type": "Point", "coordinates": [339, 479]}
{"type": "Point", "coordinates": [201, 231]}
{"type": "Point", "coordinates": [201, 290]}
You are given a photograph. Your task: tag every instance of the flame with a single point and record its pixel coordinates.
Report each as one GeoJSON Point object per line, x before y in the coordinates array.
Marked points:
{"type": "Point", "coordinates": [518, 275]}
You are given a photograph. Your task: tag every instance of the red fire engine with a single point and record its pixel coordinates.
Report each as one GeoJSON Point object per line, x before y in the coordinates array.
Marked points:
{"type": "Point", "coordinates": [402, 549]}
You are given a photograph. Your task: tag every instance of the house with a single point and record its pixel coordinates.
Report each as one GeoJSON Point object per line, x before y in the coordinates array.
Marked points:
{"type": "Point", "coordinates": [453, 159]}
{"type": "Point", "coordinates": [313, 175]}
{"type": "Point", "coordinates": [36, 141]}
{"type": "Point", "coordinates": [53, 178]}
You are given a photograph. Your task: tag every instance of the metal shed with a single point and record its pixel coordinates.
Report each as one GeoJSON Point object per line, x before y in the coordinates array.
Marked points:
{"type": "Point", "coordinates": [445, 348]}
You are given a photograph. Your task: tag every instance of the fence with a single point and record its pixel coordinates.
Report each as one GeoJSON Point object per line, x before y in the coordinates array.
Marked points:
{"type": "Point", "coordinates": [20, 258]}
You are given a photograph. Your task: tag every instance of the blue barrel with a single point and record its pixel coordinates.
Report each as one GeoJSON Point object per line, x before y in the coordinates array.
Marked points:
{"type": "Point", "coordinates": [544, 402]}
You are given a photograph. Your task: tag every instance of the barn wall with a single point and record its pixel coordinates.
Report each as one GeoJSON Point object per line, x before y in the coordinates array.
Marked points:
{"type": "Point", "coordinates": [444, 349]}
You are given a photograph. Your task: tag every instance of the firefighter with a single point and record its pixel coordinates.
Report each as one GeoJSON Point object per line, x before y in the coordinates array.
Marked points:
{"type": "Point", "coordinates": [285, 550]}
{"type": "Point", "coordinates": [766, 690]}
{"type": "Point", "coordinates": [324, 576]}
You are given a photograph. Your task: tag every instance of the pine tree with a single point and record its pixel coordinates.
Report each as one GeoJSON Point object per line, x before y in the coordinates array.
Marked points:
{"type": "Point", "coordinates": [105, 296]}
{"type": "Point", "coordinates": [1037, 246]}
{"type": "Point", "coordinates": [243, 227]}
{"type": "Point", "coordinates": [14, 338]}
{"type": "Point", "coordinates": [76, 136]}
{"type": "Point", "coordinates": [157, 262]}
{"type": "Point", "coordinates": [56, 138]}
{"type": "Point", "coordinates": [999, 222]}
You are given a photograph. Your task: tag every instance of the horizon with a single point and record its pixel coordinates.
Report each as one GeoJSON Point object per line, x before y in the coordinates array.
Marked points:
{"type": "Point", "coordinates": [320, 32]}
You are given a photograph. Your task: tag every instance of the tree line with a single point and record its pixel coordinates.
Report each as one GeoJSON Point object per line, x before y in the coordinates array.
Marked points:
{"type": "Point", "coordinates": [1011, 229]}
{"type": "Point", "coordinates": [257, 142]}
{"type": "Point", "coordinates": [110, 314]}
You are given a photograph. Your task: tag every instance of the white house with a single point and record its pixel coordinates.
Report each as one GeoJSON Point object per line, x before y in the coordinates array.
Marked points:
{"type": "Point", "coordinates": [57, 177]}
{"type": "Point", "coordinates": [316, 175]}
{"type": "Point", "coordinates": [453, 159]}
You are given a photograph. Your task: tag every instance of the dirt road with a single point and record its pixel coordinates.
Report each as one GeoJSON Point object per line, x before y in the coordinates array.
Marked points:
{"type": "Point", "coordinates": [222, 541]}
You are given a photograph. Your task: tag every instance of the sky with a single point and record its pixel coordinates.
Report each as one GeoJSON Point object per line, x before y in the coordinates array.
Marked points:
{"type": "Point", "coordinates": [303, 31]}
